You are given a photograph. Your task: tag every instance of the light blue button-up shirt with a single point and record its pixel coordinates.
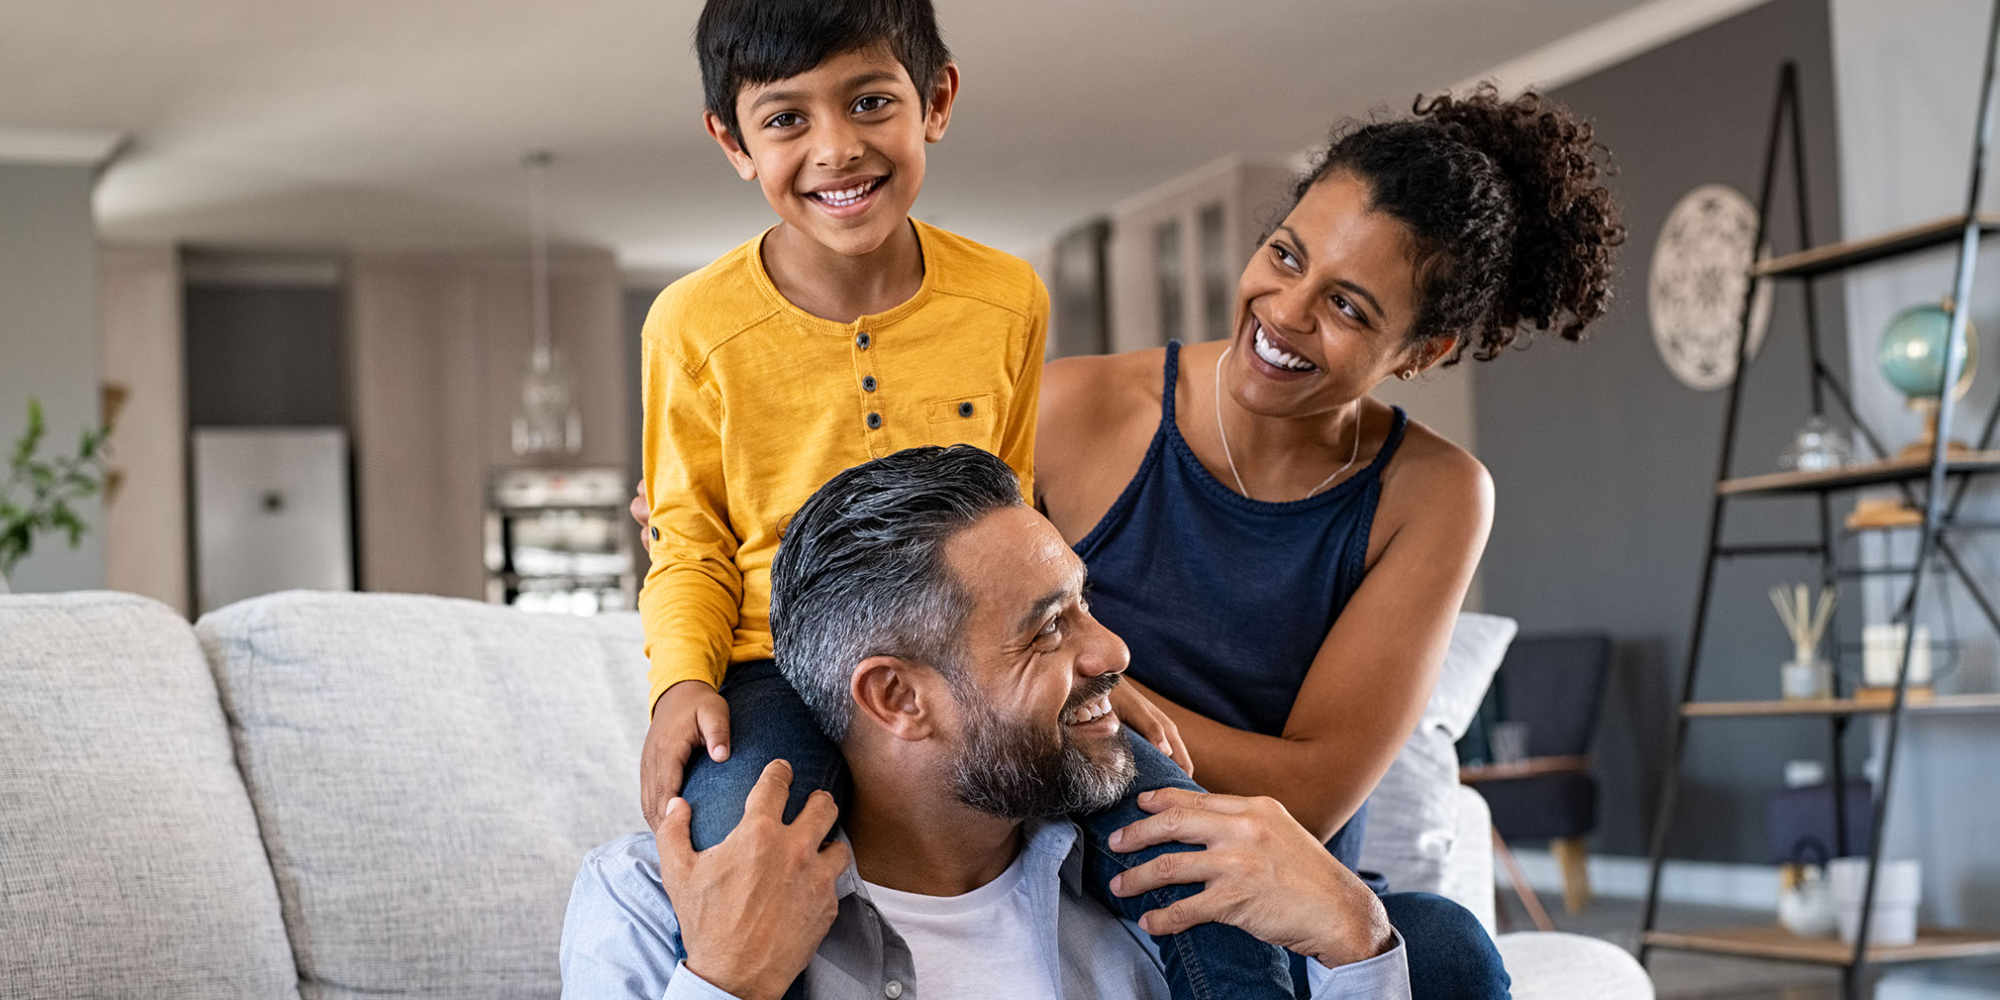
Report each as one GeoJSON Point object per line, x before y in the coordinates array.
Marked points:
{"type": "Point", "coordinates": [621, 939]}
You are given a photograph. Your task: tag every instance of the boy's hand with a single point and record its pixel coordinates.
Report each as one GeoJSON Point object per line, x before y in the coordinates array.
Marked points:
{"type": "Point", "coordinates": [1136, 710]}
{"type": "Point", "coordinates": [755, 907]}
{"type": "Point", "coordinates": [642, 512]}
{"type": "Point", "coordinates": [690, 715]}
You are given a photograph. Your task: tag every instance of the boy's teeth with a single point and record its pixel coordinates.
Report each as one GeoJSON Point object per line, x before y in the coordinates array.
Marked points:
{"type": "Point", "coordinates": [841, 199]}
{"type": "Point", "coordinates": [1282, 359]}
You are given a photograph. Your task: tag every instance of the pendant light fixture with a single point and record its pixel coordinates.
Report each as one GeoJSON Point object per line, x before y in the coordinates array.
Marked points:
{"type": "Point", "coordinates": [546, 421]}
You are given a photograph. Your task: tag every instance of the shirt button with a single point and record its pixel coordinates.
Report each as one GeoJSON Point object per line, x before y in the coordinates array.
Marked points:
{"type": "Point", "coordinates": [861, 341]}
{"type": "Point", "coordinates": [892, 989]}
{"type": "Point", "coordinates": [965, 409]}
{"type": "Point", "coordinates": [656, 534]}
{"type": "Point", "coordinates": [868, 383]}
{"type": "Point", "coordinates": [874, 421]}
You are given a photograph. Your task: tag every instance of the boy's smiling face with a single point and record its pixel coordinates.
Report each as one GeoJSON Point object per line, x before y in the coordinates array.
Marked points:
{"type": "Point", "coordinates": [839, 149]}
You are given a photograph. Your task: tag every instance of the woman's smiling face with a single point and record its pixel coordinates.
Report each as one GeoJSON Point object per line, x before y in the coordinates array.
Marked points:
{"type": "Point", "coordinates": [1324, 308]}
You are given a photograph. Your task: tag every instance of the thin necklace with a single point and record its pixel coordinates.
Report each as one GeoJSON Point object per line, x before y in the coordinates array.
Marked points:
{"type": "Point", "coordinates": [1224, 434]}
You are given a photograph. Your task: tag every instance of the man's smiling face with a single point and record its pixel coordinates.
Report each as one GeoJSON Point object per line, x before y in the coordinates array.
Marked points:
{"type": "Point", "coordinates": [1036, 735]}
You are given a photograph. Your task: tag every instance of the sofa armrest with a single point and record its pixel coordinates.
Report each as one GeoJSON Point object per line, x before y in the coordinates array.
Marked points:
{"type": "Point", "coordinates": [1468, 869]}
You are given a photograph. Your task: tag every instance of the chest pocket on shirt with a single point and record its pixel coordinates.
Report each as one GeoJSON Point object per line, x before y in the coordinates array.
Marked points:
{"type": "Point", "coordinates": [970, 420]}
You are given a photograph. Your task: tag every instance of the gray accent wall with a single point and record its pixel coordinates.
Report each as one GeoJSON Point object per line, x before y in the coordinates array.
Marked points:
{"type": "Point", "coordinates": [1604, 462]}
{"type": "Point", "coordinates": [49, 342]}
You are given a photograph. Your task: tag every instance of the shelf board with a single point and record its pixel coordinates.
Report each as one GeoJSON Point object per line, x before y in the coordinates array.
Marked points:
{"type": "Point", "coordinates": [1942, 704]}
{"type": "Point", "coordinates": [1853, 253]}
{"type": "Point", "coordinates": [1855, 476]}
{"type": "Point", "coordinates": [1775, 942]}
{"type": "Point", "coordinates": [1472, 774]}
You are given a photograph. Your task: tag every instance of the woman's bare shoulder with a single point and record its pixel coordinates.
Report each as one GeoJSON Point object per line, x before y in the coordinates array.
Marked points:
{"type": "Point", "coordinates": [1098, 391]}
{"type": "Point", "coordinates": [1430, 464]}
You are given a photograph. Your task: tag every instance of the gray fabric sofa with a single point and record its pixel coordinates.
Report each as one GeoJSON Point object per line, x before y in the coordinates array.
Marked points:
{"type": "Point", "coordinates": [337, 796]}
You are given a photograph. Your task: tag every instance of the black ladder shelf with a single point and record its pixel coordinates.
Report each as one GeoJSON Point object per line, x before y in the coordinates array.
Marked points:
{"type": "Point", "coordinates": [1940, 524]}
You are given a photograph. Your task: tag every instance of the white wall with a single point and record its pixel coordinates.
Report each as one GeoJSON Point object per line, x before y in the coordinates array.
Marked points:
{"type": "Point", "coordinates": [1908, 81]}
{"type": "Point", "coordinates": [49, 342]}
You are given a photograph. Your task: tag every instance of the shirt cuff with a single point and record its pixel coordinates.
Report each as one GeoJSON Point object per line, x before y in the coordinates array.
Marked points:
{"type": "Point", "coordinates": [1386, 976]}
{"type": "Point", "coordinates": [685, 985]}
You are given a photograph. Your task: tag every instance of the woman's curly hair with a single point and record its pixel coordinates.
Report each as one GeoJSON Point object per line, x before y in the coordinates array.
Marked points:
{"type": "Point", "coordinates": [1504, 200]}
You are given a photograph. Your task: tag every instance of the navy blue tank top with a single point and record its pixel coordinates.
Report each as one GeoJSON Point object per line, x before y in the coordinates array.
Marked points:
{"type": "Point", "coordinates": [1224, 600]}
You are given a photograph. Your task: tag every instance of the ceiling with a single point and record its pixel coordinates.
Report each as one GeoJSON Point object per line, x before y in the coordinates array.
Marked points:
{"type": "Point", "coordinates": [402, 123]}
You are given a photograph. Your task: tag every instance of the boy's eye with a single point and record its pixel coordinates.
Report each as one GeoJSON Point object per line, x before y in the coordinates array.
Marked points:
{"type": "Point", "coordinates": [1284, 256]}
{"type": "Point", "coordinates": [873, 102]}
{"type": "Point", "coordinates": [783, 119]}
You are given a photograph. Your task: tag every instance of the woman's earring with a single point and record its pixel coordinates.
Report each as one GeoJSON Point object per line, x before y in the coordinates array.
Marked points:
{"type": "Point", "coordinates": [1407, 374]}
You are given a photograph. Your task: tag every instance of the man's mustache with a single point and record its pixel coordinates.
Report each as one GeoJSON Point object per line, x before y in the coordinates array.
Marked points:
{"type": "Point", "coordinates": [1091, 690]}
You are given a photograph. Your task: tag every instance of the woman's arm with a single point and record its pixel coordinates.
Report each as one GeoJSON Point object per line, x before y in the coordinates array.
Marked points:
{"type": "Point", "coordinates": [1374, 672]}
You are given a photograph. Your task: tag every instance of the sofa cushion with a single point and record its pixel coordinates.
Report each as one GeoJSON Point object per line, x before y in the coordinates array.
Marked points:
{"type": "Point", "coordinates": [1556, 966]}
{"type": "Point", "coordinates": [429, 774]}
{"type": "Point", "coordinates": [129, 859]}
{"type": "Point", "coordinates": [1413, 811]}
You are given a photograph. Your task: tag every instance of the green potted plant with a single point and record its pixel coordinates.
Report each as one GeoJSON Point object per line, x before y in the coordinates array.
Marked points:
{"type": "Point", "coordinates": [36, 494]}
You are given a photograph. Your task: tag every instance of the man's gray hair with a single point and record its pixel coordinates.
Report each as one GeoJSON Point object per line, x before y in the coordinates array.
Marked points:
{"type": "Point", "coordinates": [861, 571]}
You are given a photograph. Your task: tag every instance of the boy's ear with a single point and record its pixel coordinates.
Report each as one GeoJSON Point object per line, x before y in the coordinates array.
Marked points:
{"type": "Point", "coordinates": [937, 113]}
{"type": "Point", "coordinates": [718, 130]}
{"type": "Point", "coordinates": [894, 694]}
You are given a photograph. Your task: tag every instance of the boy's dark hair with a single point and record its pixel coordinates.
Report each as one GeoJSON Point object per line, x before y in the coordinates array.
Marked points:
{"type": "Point", "coordinates": [742, 43]}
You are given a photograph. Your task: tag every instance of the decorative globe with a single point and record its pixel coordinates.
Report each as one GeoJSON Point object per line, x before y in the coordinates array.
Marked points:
{"type": "Point", "coordinates": [1912, 352]}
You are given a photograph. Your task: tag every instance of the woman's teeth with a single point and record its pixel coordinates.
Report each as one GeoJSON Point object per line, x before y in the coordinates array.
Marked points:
{"type": "Point", "coordinates": [844, 198]}
{"type": "Point", "coordinates": [1280, 359]}
{"type": "Point", "coordinates": [1087, 713]}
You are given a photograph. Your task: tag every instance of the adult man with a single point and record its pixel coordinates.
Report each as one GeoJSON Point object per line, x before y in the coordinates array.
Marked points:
{"type": "Point", "coordinates": [936, 628]}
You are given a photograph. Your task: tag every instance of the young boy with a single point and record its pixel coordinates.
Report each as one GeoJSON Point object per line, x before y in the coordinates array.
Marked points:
{"type": "Point", "coordinates": [844, 333]}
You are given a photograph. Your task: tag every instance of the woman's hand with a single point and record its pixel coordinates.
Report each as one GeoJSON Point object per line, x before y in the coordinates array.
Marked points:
{"type": "Point", "coordinates": [1136, 710]}
{"type": "Point", "coordinates": [1265, 875]}
{"type": "Point", "coordinates": [689, 716]}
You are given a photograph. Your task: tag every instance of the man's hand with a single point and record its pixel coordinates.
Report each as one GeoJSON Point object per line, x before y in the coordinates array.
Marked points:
{"type": "Point", "coordinates": [754, 908]}
{"type": "Point", "coordinates": [1136, 710]}
{"type": "Point", "coordinates": [689, 715]}
{"type": "Point", "coordinates": [1265, 874]}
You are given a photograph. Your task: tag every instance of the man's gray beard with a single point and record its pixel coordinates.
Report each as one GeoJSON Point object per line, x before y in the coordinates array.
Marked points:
{"type": "Point", "coordinates": [1009, 772]}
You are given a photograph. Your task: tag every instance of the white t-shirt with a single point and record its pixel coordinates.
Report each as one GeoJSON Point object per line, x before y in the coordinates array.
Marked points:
{"type": "Point", "coordinates": [983, 945]}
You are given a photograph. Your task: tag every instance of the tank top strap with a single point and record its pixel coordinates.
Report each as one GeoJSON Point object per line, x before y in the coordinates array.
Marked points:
{"type": "Point", "coordinates": [1173, 381]}
{"type": "Point", "coordinates": [1392, 442]}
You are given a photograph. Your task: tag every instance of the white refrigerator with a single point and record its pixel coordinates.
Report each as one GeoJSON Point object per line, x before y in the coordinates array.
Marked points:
{"type": "Point", "coordinates": [272, 512]}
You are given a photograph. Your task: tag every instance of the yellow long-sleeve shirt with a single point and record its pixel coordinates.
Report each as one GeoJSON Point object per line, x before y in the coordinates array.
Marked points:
{"type": "Point", "coordinates": [752, 404]}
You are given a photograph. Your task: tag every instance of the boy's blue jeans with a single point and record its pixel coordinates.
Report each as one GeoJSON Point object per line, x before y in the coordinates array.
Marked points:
{"type": "Point", "coordinates": [1450, 955]}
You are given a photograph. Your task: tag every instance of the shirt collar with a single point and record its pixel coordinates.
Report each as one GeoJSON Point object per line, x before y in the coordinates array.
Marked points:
{"type": "Point", "coordinates": [1053, 846]}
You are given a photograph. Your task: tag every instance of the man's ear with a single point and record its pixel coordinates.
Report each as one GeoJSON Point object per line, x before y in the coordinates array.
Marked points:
{"type": "Point", "coordinates": [718, 130]}
{"type": "Point", "coordinates": [893, 693]}
{"type": "Point", "coordinates": [937, 113]}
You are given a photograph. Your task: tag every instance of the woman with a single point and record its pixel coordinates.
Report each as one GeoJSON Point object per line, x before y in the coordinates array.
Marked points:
{"type": "Point", "coordinates": [1285, 555]}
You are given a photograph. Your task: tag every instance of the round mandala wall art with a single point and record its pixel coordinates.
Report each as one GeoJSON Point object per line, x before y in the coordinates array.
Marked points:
{"type": "Point", "coordinates": [1695, 289]}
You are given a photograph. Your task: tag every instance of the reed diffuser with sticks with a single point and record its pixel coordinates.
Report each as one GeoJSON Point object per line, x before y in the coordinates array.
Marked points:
{"type": "Point", "coordinates": [1806, 676]}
